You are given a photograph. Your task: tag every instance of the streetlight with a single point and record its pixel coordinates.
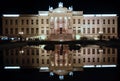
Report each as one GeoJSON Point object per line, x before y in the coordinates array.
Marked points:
{"type": "Point", "coordinates": [21, 51]}
{"type": "Point", "coordinates": [20, 33]}
{"type": "Point", "coordinates": [100, 33]}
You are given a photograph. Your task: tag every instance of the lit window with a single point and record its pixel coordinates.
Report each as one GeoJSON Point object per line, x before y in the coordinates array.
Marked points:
{"type": "Point", "coordinates": [32, 30]}
{"type": "Point", "coordinates": [113, 21]}
{"type": "Point", "coordinates": [83, 51]}
{"type": "Point", "coordinates": [113, 30]}
{"type": "Point", "coordinates": [16, 30]}
{"type": "Point", "coordinates": [103, 21]}
{"type": "Point", "coordinates": [32, 51]}
{"type": "Point", "coordinates": [93, 51]}
{"type": "Point", "coordinates": [37, 22]}
{"type": "Point", "coordinates": [42, 61]}
{"type": "Point", "coordinates": [83, 21]}
{"type": "Point", "coordinates": [88, 21]}
{"type": "Point", "coordinates": [83, 30]}
{"type": "Point", "coordinates": [6, 21]}
{"type": "Point", "coordinates": [108, 30]}
{"type": "Point", "coordinates": [98, 21]}
{"type": "Point", "coordinates": [97, 51]}
{"type": "Point", "coordinates": [16, 21]}
{"type": "Point", "coordinates": [27, 52]}
{"type": "Point", "coordinates": [93, 30]}
{"type": "Point", "coordinates": [47, 21]}
{"type": "Point", "coordinates": [37, 30]}
{"type": "Point", "coordinates": [78, 60]}
{"type": "Point", "coordinates": [33, 60]}
{"type": "Point", "coordinates": [108, 21]}
{"type": "Point", "coordinates": [98, 30]}
{"type": "Point", "coordinates": [88, 59]}
{"type": "Point", "coordinates": [37, 60]}
{"type": "Point", "coordinates": [6, 30]}
{"type": "Point", "coordinates": [79, 31]}
{"type": "Point", "coordinates": [93, 21]}
{"type": "Point", "coordinates": [42, 21]}
{"type": "Point", "coordinates": [74, 60]}
{"type": "Point", "coordinates": [108, 59]}
{"type": "Point", "coordinates": [98, 59]}
{"type": "Point", "coordinates": [83, 59]}
{"type": "Point", "coordinates": [27, 21]}
{"type": "Point", "coordinates": [37, 52]}
{"type": "Point", "coordinates": [88, 30]}
{"type": "Point", "coordinates": [104, 30]}
{"type": "Point", "coordinates": [22, 22]}
{"type": "Point", "coordinates": [11, 22]}
{"type": "Point", "coordinates": [27, 30]}
{"type": "Point", "coordinates": [108, 50]}
{"type": "Point", "coordinates": [11, 30]}
{"type": "Point", "coordinates": [104, 59]}
{"type": "Point", "coordinates": [104, 51]}
{"type": "Point", "coordinates": [47, 61]}
{"type": "Point", "coordinates": [93, 59]}
{"type": "Point", "coordinates": [42, 31]}
{"type": "Point", "coordinates": [22, 29]}
{"type": "Point", "coordinates": [31, 21]}
{"type": "Point", "coordinates": [73, 21]}
{"type": "Point", "coordinates": [78, 21]}
{"type": "Point", "coordinates": [113, 59]}
{"type": "Point", "coordinates": [47, 31]}
{"type": "Point", "coordinates": [113, 51]}
{"type": "Point", "coordinates": [88, 51]}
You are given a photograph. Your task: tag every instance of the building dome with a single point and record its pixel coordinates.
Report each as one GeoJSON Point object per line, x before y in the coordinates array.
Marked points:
{"type": "Point", "coordinates": [61, 72]}
{"type": "Point", "coordinates": [60, 10]}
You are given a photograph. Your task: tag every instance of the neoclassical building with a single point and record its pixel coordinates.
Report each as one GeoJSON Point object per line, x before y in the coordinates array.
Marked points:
{"type": "Point", "coordinates": [60, 24]}
{"type": "Point", "coordinates": [61, 61]}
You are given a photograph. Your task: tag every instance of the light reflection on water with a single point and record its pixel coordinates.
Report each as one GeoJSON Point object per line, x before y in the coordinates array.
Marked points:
{"type": "Point", "coordinates": [61, 60]}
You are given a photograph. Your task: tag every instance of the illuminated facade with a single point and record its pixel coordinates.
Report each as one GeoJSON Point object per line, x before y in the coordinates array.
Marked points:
{"type": "Point", "coordinates": [61, 24]}
{"type": "Point", "coordinates": [52, 61]}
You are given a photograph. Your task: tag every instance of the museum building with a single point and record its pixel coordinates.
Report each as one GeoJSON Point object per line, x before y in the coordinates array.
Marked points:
{"type": "Point", "coordinates": [60, 24]}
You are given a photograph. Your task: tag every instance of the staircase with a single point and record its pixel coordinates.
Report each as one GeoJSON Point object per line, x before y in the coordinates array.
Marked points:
{"type": "Point", "coordinates": [61, 37]}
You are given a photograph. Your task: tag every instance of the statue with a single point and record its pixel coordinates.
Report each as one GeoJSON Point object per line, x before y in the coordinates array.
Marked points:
{"type": "Point", "coordinates": [60, 4]}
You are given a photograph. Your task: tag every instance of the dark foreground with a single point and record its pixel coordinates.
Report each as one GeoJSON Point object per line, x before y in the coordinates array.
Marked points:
{"type": "Point", "coordinates": [113, 43]}
{"type": "Point", "coordinates": [99, 74]}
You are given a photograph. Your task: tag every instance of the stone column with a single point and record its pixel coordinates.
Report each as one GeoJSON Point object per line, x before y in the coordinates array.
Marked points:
{"type": "Point", "coordinates": [66, 23]}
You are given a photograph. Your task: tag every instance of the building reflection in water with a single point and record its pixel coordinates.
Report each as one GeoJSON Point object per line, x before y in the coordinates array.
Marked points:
{"type": "Point", "coordinates": [61, 61]}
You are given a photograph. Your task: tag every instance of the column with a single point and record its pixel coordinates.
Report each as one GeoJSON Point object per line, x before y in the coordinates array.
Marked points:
{"type": "Point", "coordinates": [66, 23]}
{"type": "Point", "coordinates": [55, 23]}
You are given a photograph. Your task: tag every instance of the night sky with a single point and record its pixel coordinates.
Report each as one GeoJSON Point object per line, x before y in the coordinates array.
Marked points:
{"type": "Point", "coordinates": [33, 6]}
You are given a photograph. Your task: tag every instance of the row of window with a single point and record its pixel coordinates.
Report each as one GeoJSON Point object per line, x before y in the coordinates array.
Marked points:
{"type": "Point", "coordinates": [88, 21]}
{"type": "Point", "coordinates": [107, 59]}
{"type": "Point", "coordinates": [36, 31]}
{"type": "Point", "coordinates": [33, 22]}
{"type": "Point", "coordinates": [25, 22]}
{"type": "Point", "coordinates": [24, 30]}
{"type": "Point", "coordinates": [98, 51]}
{"type": "Point", "coordinates": [84, 51]}
{"type": "Point", "coordinates": [97, 30]}
{"type": "Point", "coordinates": [22, 61]}
{"type": "Point", "coordinates": [16, 52]}
{"type": "Point", "coordinates": [47, 61]}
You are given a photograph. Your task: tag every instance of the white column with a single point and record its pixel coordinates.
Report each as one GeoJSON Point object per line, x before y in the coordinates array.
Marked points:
{"type": "Point", "coordinates": [66, 23]}
{"type": "Point", "coordinates": [55, 22]}
{"type": "Point", "coordinates": [60, 22]}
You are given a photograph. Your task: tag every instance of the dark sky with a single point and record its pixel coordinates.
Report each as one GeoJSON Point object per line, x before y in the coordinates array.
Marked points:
{"type": "Point", "coordinates": [32, 6]}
